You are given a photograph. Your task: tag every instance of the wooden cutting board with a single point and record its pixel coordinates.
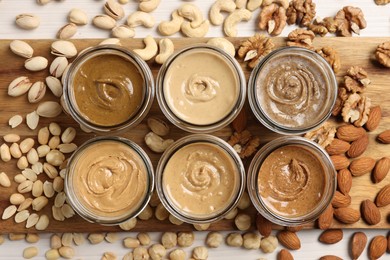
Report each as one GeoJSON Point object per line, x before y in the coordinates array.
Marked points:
{"type": "Point", "coordinates": [353, 51]}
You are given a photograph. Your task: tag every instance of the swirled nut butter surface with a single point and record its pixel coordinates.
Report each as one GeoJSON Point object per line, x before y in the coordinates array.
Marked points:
{"type": "Point", "coordinates": [201, 86]}
{"type": "Point", "coordinates": [108, 89]}
{"type": "Point", "coordinates": [200, 179]}
{"type": "Point", "coordinates": [293, 90]}
{"type": "Point", "coordinates": [291, 181]}
{"type": "Point", "coordinates": [110, 179]}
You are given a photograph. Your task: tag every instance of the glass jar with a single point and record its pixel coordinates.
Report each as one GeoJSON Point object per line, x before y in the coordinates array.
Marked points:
{"type": "Point", "coordinates": [201, 88]}
{"type": "Point", "coordinates": [108, 89]}
{"type": "Point", "coordinates": [109, 180]}
{"type": "Point", "coordinates": [292, 90]}
{"type": "Point", "coordinates": [200, 179]}
{"type": "Point", "coordinates": [291, 181]}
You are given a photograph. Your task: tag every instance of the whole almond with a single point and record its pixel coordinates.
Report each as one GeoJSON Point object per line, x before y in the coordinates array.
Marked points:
{"type": "Point", "coordinates": [264, 226]}
{"type": "Point", "coordinates": [350, 133]}
{"type": "Point", "coordinates": [383, 197]}
{"type": "Point", "coordinates": [377, 247]}
{"type": "Point", "coordinates": [294, 228]}
{"type": "Point", "coordinates": [358, 147]}
{"type": "Point", "coordinates": [362, 166]}
{"type": "Point", "coordinates": [330, 257]}
{"type": "Point", "coordinates": [344, 181]}
{"type": "Point", "coordinates": [340, 200]}
{"type": "Point", "coordinates": [284, 254]}
{"type": "Point", "coordinates": [326, 218]}
{"type": "Point", "coordinates": [339, 162]}
{"type": "Point", "coordinates": [289, 240]}
{"type": "Point", "coordinates": [331, 236]}
{"type": "Point", "coordinates": [370, 212]}
{"type": "Point", "coordinates": [337, 146]}
{"type": "Point", "coordinates": [384, 137]}
{"type": "Point", "coordinates": [357, 244]}
{"type": "Point", "coordinates": [381, 169]}
{"type": "Point", "coordinates": [347, 215]}
{"type": "Point", "coordinates": [374, 118]}
{"type": "Point", "coordinates": [240, 122]}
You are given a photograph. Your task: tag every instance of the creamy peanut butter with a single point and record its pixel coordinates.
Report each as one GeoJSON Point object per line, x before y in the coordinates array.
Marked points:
{"type": "Point", "coordinates": [291, 181]}
{"type": "Point", "coordinates": [293, 90]}
{"type": "Point", "coordinates": [110, 179]}
{"type": "Point", "coordinates": [200, 179]}
{"type": "Point", "coordinates": [108, 89]}
{"type": "Point", "coordinates": [201, 86]}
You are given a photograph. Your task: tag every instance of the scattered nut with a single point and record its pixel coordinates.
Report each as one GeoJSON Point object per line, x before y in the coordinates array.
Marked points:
{"type": "Point", "coordinates": [234, 240]}
{"type": "Point", "coordinates": [150, 49]}
{"type": "Point", "coordinates": [185, 239]}
{"type": "Point", "coordinates": [269, 244]}
{"type": "Point", "coordinates": [230, 23]}
{"type": "Point", "coordinates": [169, 239]}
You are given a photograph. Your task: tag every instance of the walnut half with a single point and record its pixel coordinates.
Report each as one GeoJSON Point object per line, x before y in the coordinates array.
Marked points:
{"type": "Point", "coordinates": [331, 56]}
{"type": "Point", "coordinates": [356, 109]}
{"type": "Point", "coordinates": [350, 19]}
{"type": "Point", "coordinates": [301, 12]}
{"type": "Point", "coordinates": [382, 54]}
{"type": "Point", "coordinates": [301, 38]}
{"type": "Point", "coordinates": [273, 18]}
{"type": "Point", "coordinates": [255, 48]}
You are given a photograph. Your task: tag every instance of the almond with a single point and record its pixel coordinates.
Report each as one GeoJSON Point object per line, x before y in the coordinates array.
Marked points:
{"type": "Point", "coordinates": [294, 228]}
{"type": "Point", "coordinates": [377, 247]}
{"type": "Point", "coordinates": [370, 212]}
{"type": "Point", "coordinates": [381, 169]}
{"type": "Point", "coordinates": [264, 226]}
{"type": "Point", "coordinates": [349, 133]}
{"type": "Point", "coordinates": [337, 146]}
{"type": "Point", "coordinates": [326, 218]}
{"type": "Point", "coordinates": [330, 257]}
{"type": "Point", "coordinates": [362, 166]}
{"type": "Point", "coordinates": [384, 137]}
{"type": "Point", "coordinates": [358, 147]}
{"type": "Point", "coordinates": [339, 162]}
{"type": "Point", "coordinates": [383, 197]}
{"type": "Point", "coordinates": [284, 254]}
{"type": "Point", "coordinates": [347, 215]}
{"type": "Point", "coordinates": [240, 122]}
{"type": "Point", "coordinates": [289, 240]}
{"type": "Point", "coordinates": [340, 200]}
{"type": "Point", "coordinates": [374, 118]}
{"type": "Point", "coordinates": [331, 236]}
{"type": "Point", "coordinates": [344, 181]}
{"type": "Point", "coordinates": [358, 243]}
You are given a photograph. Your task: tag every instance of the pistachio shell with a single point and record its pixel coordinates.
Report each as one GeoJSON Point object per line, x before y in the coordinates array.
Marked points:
{"type": "Point", "coordinates": [67, 31]}
{"type": "Point", "coordinates": [49, 109]}
{"type": "Point", "coordinates": [54, 85]}
{"type": "Point", "coordinates": [36, 92]}
{"type": "Point", "coordinates": [104, 21]}
{"type": "Point", "coordinates": [64, 49]}
{"type": "Point", "coordinates": [114, 9]}
{"type": "Point", "coordinates": [57, 67]}
{"type": "Point", "coordinates": [19, 86]}
{"type": "Point", "coordinates": [21, 48]}
{"type": "Point", "coordinates": [78, 16]}
{"type": "Point", "coordinates": [36, 63]}
{"type": "Point", "coordinates": [27, 21]}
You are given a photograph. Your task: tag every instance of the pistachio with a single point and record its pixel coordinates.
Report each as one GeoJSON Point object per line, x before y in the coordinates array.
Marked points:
{"type": "Point", "coordinates": [22, 216]}
{"type": "Point", "coordinates": [67, 31]}
{"type": "Point", "coordinates": [42, 223]}
{"type": "Point", "coordinates": [78, 16]}
{"type": "Point", "coordinates": [55, 157]}
{"type": "Point", "coordinates": [37, 189]}
{"type": "Point", "coordinates": [27, 21]}
{"type": "Point", "coordinates": [36, 63]}
{"type": "Point", "coordinates": [36, 92]}
{"type": "Point", "coordinates": [19, 86]}
{"type": "Point", "coordinates": [68, 135]}
{"type": "Point", "coordinates": [21, 48]}
{"type": "Point", "coordinates": [32, 120]}
{"type": "Point", "coordinates": [4, 180]}
{"type": "Point", "coordinates": [15, 121]}
{"type": "Point", "coordinates": [57, 68]}
{"type": "Point", "coordinates": [11, 138]}
{"type": "Point", "coordinates": [39, 203]}
{"type": "Point", "coordinates": [32, 220]}
{"type": "Point", "coordinates": [49, 109]}
{"type": "Point", "coordinates": [8, 212]}
{"type": "Point", "coordinates": [54, 83]}
{"type": "Point", "coordinates": [123, 31]}
{"type": "Point", "coordinates": [5, 153]}
{"type": "Point", "coordinates": [26, 145]}
{"type": "Point", "coordinates": [104, 21]}
{"type": "Point", "coordinates": [158, 126]}
{"type": "Point", "coordinates": [114, 9]}
{"type": "Point", "coordinates": [63, 49]}
{"type": "Point", "coordinates": [15, 151]}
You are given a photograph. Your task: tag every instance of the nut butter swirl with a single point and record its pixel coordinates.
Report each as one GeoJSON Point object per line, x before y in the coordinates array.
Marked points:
{"type": "Point", "coordinates": [201, 88]}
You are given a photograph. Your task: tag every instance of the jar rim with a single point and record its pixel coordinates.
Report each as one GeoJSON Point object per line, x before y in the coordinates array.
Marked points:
{"type": "Point", "coordinates": [93, 217]}
{"type": "Point", "coordinates": [109, 49]}
{"type": "Point", "coordinates": [256, 106]}
{"type": "Point", "coordinates": [197, 128]}
{"type": "Point", "coordinates": [253, 173]}
{"type": "Point", "coordinates": [187, 140]}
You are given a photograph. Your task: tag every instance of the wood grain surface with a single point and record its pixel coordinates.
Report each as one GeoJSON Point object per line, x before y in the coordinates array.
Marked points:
{"type": "Point", "coordinates": [353, 51]}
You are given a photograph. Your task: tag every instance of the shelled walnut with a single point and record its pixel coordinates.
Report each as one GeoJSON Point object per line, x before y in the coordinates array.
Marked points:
{"type": "Point", "coordinates": [301, 12]}
{"type": "Point", "coordinates": [323, 135]}
{"type": "Point", "coordinates": [382, 54]}
{"type": "Point", "coordinates": [273, 18]}
{"type": "Point", "coordinates": [356, 80]}
{"type": "Point", "coordinates": [350, 19]}
{"type": "Point", "coordinates": [331, 56]}
{"type": "Point", "coordinates": [255, 48]}
{"type": "Point", "coordinates": [356, 109]}
{"type": "Point", "coordinates": [301, 38]}
{"type": "Point", "coordinates": [244, 143]}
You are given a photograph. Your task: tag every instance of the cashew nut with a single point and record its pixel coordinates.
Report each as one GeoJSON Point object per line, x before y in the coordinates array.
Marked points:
{"type": "Point", "coordinates": [223, 44]}
{"type": "Point", "coordinates": [150, 48]}
{"type": "Point", "coordinates": [156, 143]}
{"type": "Point", "coordinates": [283, 3]}
{"type": "Point", "coordinates": [139, 18]}
{"type": "Point", "coordinates": [192, 13]}
{"type": "Point", "coordinates": [241, 3]}
{"type": "Point", "coordinates": [171, 27]}
{"type": "Point", "coordinates": [166, 49]}
{"type": "Point", "coordinates": [199, 31]}
{"type": "Point", "coordinates": [148, 5]}
{"type": "Point", "coordinates": [253, 4]}
{"type": "Point", "coordinates": [215, 15]}
{"type": "Point", "coordinates": [233, 19]}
